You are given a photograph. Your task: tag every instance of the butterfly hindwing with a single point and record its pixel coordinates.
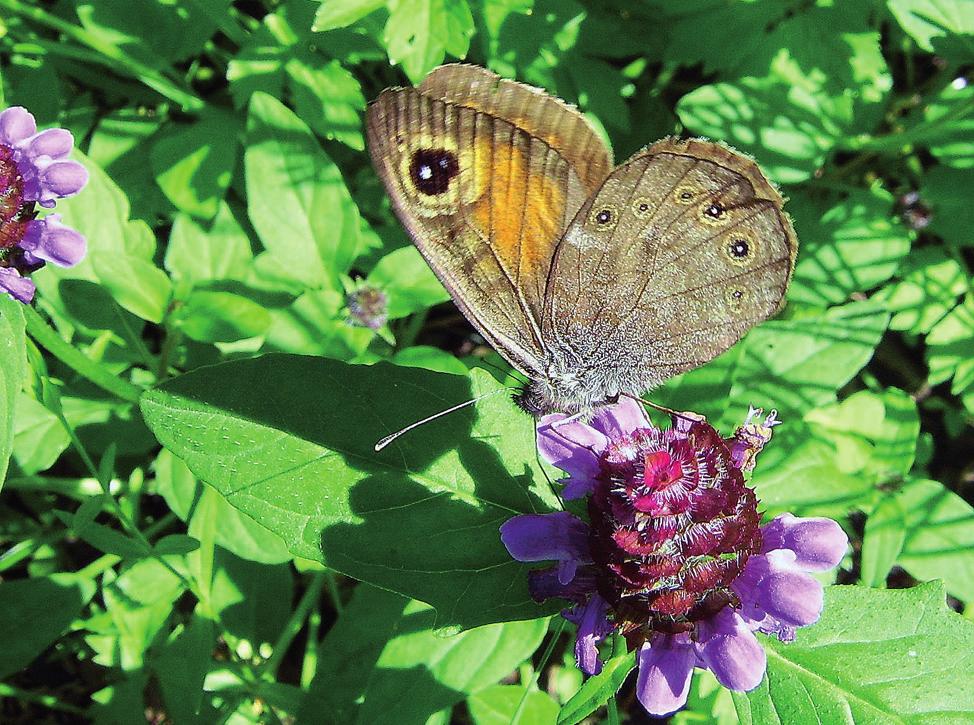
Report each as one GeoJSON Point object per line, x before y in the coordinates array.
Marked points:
{"type": "Point", "coordinates": [683, 249]}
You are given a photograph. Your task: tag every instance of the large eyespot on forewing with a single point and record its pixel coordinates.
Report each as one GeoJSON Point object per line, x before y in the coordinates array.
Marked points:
{"type": "Point", "coordinates": [432, 169]}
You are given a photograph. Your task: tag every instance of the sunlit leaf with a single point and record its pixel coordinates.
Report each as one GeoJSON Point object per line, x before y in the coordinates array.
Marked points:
{"type": "Point", "coordinates": [875, 656]}
{"type": "Point", "coordinates": [420, 33]}
{"type": "Point", "coordinates": [297, 199]}
{"type": "Point", "coordinates": [13, 369]}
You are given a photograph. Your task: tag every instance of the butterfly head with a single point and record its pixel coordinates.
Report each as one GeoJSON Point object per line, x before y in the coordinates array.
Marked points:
{"type": "Point", "coordinates": [570, 388]}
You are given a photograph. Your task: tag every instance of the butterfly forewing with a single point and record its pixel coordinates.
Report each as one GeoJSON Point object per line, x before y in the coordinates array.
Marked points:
{"type": "Point", "coordinates": [485, 200]}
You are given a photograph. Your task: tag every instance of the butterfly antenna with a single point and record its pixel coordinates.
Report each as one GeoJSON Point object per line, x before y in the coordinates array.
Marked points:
{"type": "Point", "coordinates": [390, 438]}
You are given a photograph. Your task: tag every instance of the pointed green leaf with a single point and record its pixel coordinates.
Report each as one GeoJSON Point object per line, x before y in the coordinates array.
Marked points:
{"type": "Point", "coordinates": [13, 368]}
{"type": "Point", "coordinates": [297, 199]}
{"type": "Point", "coordinates": [598, 689]}
{"type": "Point", "coordinates": [876, 656]}
{"type": "Point", "coordinates": [289, 441]}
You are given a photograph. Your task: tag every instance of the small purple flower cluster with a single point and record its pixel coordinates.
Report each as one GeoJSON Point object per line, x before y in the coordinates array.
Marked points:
{"type": "Point", "coordinates": [34, 171]}
{"type": "Point", "coordinates": [673, 557]}
{"type": "Point", "coordinates": [367, 307]}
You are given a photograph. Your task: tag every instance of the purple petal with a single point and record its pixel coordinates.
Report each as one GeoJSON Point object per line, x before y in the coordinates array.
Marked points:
{"type": "Point", "coordinates": [665, 669]}
{"type": "Point", "coordinates": [49, 240]}
{"type": "Point", "coordinates": [546, 584]}
{"type": "Point", "coordinates": [792, 597]}
{"type": "Point", "coordinates": [621, 419]}
{"type": "Point", "coordinates": [593, 627]}
{"type": "Point", "coordinates": [819, 543]}
{"type": "Point", "coordinates": [16, 124]}
{"type": "Point", "coordinates": [566, 570]}
{"type": "Point", "coordinates": [731, 651]}
{"type": "Point", "coordinates": [683, 421]}
{"type": "Point", "coordinates": [573, 447]}
{"type": "Point", "coordinates": [61, 179]}
{"type": "Point", "coordinates": [54, 143]}
{"type": "Point", "coordinates": [20, 288]}
{"type": "Point", "coordinates": [557, 536]}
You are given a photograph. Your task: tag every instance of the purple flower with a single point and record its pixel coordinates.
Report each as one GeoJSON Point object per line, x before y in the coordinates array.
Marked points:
{"type": "Point", "coordinates": [367, 307]}
{"type": "Point", "coordinates": [34, 171]}
{"type": "Point", "coordinates": [673, 558]}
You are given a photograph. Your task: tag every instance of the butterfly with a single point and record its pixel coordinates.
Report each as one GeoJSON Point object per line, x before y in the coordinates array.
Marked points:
{"type": "Point", "coordinates": [593, 281]}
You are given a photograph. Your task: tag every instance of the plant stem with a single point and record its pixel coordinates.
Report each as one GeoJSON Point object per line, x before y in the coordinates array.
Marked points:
{"type": "Point", "coordinates": [71, 356]}
{"type": "Point", "coordinates": [542, 663]}
{"type": "Point", "coordinates": [294, 623]}
{"type": "Point", "coordinates": [113, 57]}
{"type": "Point", "coordinates": [48, 701]}
{"type": "Point", "coordinates": [333, 594]}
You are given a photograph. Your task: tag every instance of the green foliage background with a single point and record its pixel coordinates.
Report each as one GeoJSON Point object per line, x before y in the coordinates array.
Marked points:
{"type": "Point", "coordinates": [264, 564]}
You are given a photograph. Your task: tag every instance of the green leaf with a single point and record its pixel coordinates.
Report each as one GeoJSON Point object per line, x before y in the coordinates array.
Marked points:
{"type": "Point", "coordinates": [787, 130]}
{"type": "Point", "coordinates": [882, 541]}
{"type": "Point", "coordinates": [598, 689]}
{"type": "Point", "coordinates": [182, 665]}
{"type": "Point", "coordinates": [297, 199]}
{"type": "Point", "coordinates": [799, 472]}
{"type": "Point", "coordinates": [431, 358]}
{"type": "Point", "coordinates": [136, 283]}
{"type": "Point", "coordinates": [36, 611]}
{"type": "Point", "coordinates": [104, 538]}
{"type": "Point", "coordinates": [930, 285]}
{"type": "Point", "coordinates": [159, 31]}
{"type": "Point", "coordinates": [929, 22]}
{"type": "Point", "coordinates": [348, 654]}
{"type": "Point", "coordinates": [408, 282]}
{"type": "Point", "coordinates": [220, 250]}
{"type": "Point", "coordinates": [118, 146]}
{"type": "Point", "coordinates": [328, 97]}
{"type": "Point", "coordinates": [13, 369]}
{"type": "Point", "coordinates": [950, 347]}
{"type": "Point", "coordinates": [215, 316]}
{"type": "Point", "coordinates": [138, 604]}
{"type": "Point", "coordinates": [293, 461]}
{"type": "Point", "coordinates": [251, 599]}
{"type": "Point", "coordinates": [948, 191]}
{"type": "Point", "coordinates": [339, 13]}
{"type": "Point", "coordinates": [849, 244]}
{"type": "Point", "coordinates": [688, 22]}
{"type": "Point", "coordinates": [502, 705]}
{"type": "Point", "coordinates": [194, 164]}
{"type": "Point", "coordinates": [707, 696]}
{"type": "Point", "coordinates": [317, 324]}
{"type": "Point", "coordinates": [419, 33]}
{"type": "Point", "coordinates": [175, 544]}
{"type": "Point", "coordinates": [948, 123]}
{"type": "Point", "coordinates": [797, 364]}
{"type": "Point", "coordinates": [39, 435]}
{"type": "Point", "coordinates": [704, 390]}
{"type": "Point", "coordinates": [876, 656]}
{"type": "Point", "coordinates": [939, 531]}
{"type": "Point", "coordinates": [444, 668]}
{"type": "Point", "coordinates": [875, 434]}
{"type": "Point", "coordinates": [235, 531]}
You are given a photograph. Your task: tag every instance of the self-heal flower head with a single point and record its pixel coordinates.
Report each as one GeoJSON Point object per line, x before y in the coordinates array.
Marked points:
{"type": "Point", "coordinates": [674, 557]}
{"type": "Point", "coordinates": [34, 171]}
{"type": "Point", "coordinates": [367, 307]}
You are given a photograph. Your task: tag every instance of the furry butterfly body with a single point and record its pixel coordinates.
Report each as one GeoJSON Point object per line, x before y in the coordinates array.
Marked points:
{"type": "Point", "coordinates": [594, 282]}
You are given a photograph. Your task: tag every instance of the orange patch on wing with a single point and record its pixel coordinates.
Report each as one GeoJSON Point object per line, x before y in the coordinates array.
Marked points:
{"type": "Point", "coordinates": [521, 210]}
